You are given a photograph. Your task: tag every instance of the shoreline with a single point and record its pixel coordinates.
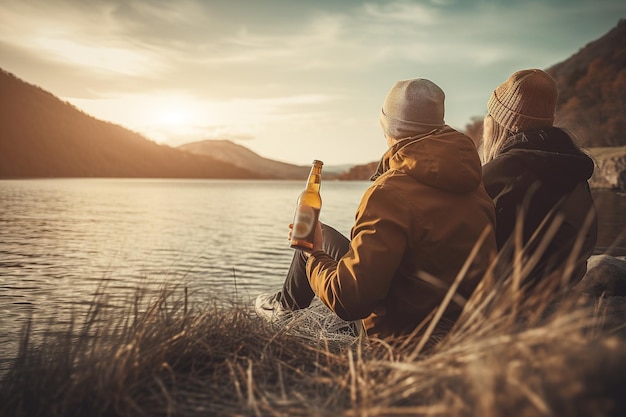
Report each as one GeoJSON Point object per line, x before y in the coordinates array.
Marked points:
{"type": "Point", "coordinates": [508, 355]}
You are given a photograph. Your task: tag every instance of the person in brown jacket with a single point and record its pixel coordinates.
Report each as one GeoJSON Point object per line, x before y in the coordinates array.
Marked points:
{"type": "Point", "coordinates": [414, 229]}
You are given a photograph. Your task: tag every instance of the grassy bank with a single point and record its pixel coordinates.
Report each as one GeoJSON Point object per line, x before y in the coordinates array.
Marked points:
{"type": "Point", "coordinates": [507, 356]}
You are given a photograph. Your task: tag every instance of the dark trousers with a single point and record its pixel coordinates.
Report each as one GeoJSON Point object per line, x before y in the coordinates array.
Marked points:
{"type": "Point", "coordinates": [296, 292]}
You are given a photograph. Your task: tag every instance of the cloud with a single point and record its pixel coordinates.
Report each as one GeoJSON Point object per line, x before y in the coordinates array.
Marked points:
{"type": "Point", "coordinates": [269, 69]}
{"type": "Point", "coordinates": [402, 12]}
{"type": "Point", "coordinates": [188, 42]}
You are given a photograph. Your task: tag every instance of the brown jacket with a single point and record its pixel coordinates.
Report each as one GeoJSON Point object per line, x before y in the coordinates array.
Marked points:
{"type": "Point", "coordinates": [423, 214]}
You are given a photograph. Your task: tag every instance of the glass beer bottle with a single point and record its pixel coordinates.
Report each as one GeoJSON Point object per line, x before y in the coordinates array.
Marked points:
{"type": "Point", "coordinates": [307, 210]}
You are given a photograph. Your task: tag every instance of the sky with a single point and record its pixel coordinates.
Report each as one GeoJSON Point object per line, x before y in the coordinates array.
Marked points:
{"type": "Point", "coordinates": [292, 80]}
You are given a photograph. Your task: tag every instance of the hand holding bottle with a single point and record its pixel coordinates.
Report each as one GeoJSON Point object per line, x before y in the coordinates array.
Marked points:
{"type": "Point", "coordinates": [318, 238]}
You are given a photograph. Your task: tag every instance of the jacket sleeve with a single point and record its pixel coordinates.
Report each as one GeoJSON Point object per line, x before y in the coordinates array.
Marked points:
{"type": "Point", "coordinates": [506, 184]}
{"type": "Point", "coordinates": [353, 286]}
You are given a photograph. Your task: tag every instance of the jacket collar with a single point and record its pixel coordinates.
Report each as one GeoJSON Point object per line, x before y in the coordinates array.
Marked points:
{"type": "Point", "coordinates": [383, 165]}
{"type": "Point", "coordinates": [551, 139]}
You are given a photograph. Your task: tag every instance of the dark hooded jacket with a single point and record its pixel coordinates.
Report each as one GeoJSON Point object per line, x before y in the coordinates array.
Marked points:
{"type": "Point", "coordinates": [414, 229]}
{"type": "Point", "coordinates": [541, 177]}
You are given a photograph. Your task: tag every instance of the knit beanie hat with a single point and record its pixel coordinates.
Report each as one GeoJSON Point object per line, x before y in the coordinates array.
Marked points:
{"type": "Point", "coordinates": [526, 100]}
{"type": "Point", "coordinates": [412, 107]}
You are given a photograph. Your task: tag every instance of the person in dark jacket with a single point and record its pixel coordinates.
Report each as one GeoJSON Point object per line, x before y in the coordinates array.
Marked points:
{"type": "Point", "coordinates": [537, 178]}
{"type": "Point", "coordinates": [414, 230]}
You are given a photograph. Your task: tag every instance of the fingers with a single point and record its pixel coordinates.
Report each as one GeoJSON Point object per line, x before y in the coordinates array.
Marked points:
{"type": "Point", "coordinates": [319, 237]}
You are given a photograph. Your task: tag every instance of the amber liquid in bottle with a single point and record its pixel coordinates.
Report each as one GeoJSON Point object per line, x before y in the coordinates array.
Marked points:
{"type": "Point", "coordinates": [307, 210]}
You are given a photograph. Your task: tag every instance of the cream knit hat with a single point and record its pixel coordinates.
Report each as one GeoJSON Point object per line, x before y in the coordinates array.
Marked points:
{"type": "Point", "coordinates": [412, 107]}
{"type": "Point", "coordinates": [526, 100]}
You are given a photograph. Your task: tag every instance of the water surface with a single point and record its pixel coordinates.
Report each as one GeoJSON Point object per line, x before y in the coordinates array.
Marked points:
{"type": "Point", "coordinates": [61, 240]}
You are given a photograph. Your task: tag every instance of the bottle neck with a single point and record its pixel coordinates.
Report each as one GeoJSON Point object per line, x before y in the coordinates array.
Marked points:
{"type": "Point", "coordinates": [315, 178]}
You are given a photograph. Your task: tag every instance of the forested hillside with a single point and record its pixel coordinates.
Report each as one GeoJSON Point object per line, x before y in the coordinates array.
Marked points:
{"type": "Point", "coordinates": [42, 136]}
{"type": "Point", "coordinates": [592, 90]}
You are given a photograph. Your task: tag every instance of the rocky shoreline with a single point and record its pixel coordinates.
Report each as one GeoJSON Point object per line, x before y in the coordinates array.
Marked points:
{"type": "Point", "coordinates": [610, 169]}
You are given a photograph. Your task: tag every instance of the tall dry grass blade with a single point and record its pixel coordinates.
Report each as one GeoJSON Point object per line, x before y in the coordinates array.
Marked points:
{"type": "Point", "coordinates": [474, 312]}
{"type": "Point", "coordinates": [619, 238]}
{"type": "Point", "coordinates": [535, 399]}
{"type": "Point", "coordinates": [446, 300]}
{"type": "Point", "coordinates": [571, 262]}
{"type": "Point", "coordinates": [518, 252]}
{"type": "Point", "coordinates": [25, 337]}
{"type": "Point", "coordinates": [252, 404]}
{"type": "Point", "coordinates": [281, 383]}
{"type": "Point", "coordinates": [364, 382]}
{"type": "Point", "coordinates": [185, 309]}
{"type": "Point", "coordinates": [235, 380]}
{"type": "Point", "coordinates": [548, 227]}
{"type": "Point", "coordinates": [442, 285]}
{"type": "Point", "coordinates": [502, 297]}
{"type": "Point", "coordinates": [235, 282]}
{"type": "Point", "coordinates": [353, 380]}
{"type": "Point", "coordinates": [518, 236]}
{"type": "Point", "coordinates": [409, 339]}
{"type": "Point", "coordinates": [549, 234]}
{"type": "Point", "coordinates": [169, 410]}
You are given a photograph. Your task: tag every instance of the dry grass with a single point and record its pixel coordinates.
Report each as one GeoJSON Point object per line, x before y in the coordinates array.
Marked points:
{"type": "Point", "coordinates": [508, 355]}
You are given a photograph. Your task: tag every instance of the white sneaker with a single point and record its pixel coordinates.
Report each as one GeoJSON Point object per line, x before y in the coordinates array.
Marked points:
{"type": "Point", "coordinates": [269, 308]}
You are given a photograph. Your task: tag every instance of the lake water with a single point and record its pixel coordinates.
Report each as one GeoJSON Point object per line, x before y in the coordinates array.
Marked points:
{"type": "Point", "coordinates": [62, 239]}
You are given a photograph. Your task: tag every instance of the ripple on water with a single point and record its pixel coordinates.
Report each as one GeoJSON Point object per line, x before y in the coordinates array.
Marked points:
{"type": "Point", "coordinates": [64, 242]}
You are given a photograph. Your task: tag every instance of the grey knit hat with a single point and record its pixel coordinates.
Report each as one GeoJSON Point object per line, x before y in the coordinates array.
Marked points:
{"type": "Point", "coordinates": [412, 107]}
{"type": "Point", "coordinates": [526, 100]}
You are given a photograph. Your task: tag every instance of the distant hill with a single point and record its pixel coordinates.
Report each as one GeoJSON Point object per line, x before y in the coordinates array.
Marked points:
{"type": "Point", "coordinates": [360, 172]}
{"type": "Point", "coordinates": [238, 155]}
{"type": "Point", "coordinates": [592, 90]}
{"type": "Point", "coordinates": [243, 157]}
{"type": "Point", "coordinates": [42, 136]}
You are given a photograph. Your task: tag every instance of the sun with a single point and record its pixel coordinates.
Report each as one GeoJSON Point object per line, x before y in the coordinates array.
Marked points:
{"type": "Point", "coordinates": [173, 117]}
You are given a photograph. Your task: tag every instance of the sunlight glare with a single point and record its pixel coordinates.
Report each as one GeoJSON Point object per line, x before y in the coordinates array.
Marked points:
{"type": "Point", "coordinates": [173, 117]}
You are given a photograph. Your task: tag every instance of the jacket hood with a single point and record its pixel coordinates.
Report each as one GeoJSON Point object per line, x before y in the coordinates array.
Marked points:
{"type": "Point", "coordinates": [551, 155]}
{"type": "Point", "coordinates": [443, 159]}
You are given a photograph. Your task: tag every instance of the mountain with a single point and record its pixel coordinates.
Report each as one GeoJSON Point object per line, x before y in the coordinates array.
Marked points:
{"type": "Point", "coordinates": [243, 157]}
{"type": "Point", "coordinates": [238, 155]}
{"type": "Point", "coordinates": [42, 136]}
{"type": "Point", "coordinates": [592, 92]}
